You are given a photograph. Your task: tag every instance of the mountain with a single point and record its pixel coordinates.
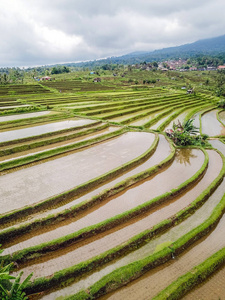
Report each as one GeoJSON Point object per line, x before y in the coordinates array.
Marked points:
{"type": "Point", "coordinates": [211, 46]}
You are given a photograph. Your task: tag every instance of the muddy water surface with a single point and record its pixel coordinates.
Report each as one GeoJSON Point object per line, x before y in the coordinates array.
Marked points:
{"type": "Point", "coordinates": [180, 118]}
{"type": "Point", "coordinates": [163, 150]}
{"type": "Point", "coordinates": [137, 194]}
{"type": "Point", "coordinates": [39, 182]}
{"type": "Point", "coordinates": [13, 106]}
{"type": "Point", "coordinates": [154, 281]}
{"type": "Point", "coordinates": [222, 116]}
{"type": "Point", "coordinates": [56, 145]}
{"type": "Point", "coordinates": [210, 124]}
{"type": "Point", "coordinates": [41, 129]}
{"type": "Point", "coordinates": [211, 289]}
{"type": "Point", "coordinates": [144, 120]}
{"type": "Point", "coordinates": [157, 124]}
{"type": "Point", "coordinates": [23, 116]}
{"type": "Point", "coordinates": [52, 264]}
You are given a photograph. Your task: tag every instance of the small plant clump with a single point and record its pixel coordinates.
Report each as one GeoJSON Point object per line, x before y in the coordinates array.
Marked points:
{"type": "Point", "coordinates": [10, 287]}
{"type": "Point", "coordinates": [187, 134]}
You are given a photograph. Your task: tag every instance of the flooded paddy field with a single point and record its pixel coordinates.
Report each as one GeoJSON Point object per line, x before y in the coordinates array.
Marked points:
{"type": "Point", "coordinates": [212, 288]}
{"type": "Point", "coordinates": [121, 235]}
{"type": "Point", "coordinates": [23, 116]}
{"type": "Point", "coordinates": [123, 193]}
{"type": "Point", "coordinates": [210, 124]}
{"type": "Point", "coordinates": [41, 129]}
{"type": "Point", "coordinates": [61, 174]}
{"type": "Point", "coordinates": [156, 280]}
{"type": "Point", "coordinates": [128, 199]}
{"type": "Point", "coordinates": [59, 144]}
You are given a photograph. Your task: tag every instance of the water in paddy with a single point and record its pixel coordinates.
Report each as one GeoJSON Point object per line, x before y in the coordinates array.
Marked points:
{"type": "Point", "coordinates": [156, 280]}
{"type": "Point", "coordinates": [57, 145]}
{"type": "Point", "coordinates": [163, 150]}
{"type": "Point", "coordinates": [212, 288]}
{"type": "Point", "coordinates": [157, 124]}
{"type": "Point", "coordinates": [131, 115]}
{"type": "Point", "coordinates": [210, 124]}
{"type": "Point", "coordinates": [222, 116]}
{"type": "Point", "coordinates": [41, 129]}
{"type": "Point", "coordinates": [23, 116]}
{"type": "Point", "coordinates": [39, 182]}
{"type": "Point", "coordinates": [120, 235]}
{"type": "Point", "coordinates": [144, 120]}
{"type": "Point", "coordinates": [13, 106]}
{"type": "Point", "coordinates": [180, 170]}
{"type": "Point", "coordinates": [180, 118]}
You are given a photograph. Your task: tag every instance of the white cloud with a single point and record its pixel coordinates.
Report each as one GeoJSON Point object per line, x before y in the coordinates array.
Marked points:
{"type": "Point", "coordinates": [39, 32]}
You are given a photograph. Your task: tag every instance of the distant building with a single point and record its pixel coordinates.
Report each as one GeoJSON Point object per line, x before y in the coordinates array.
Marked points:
{"type": "Point", "coordinates": [46, 78]}
{"type": "Point", "coordinates": [211, 68]}
{"type": "Point", "coordinates": [97, 79]}
{"type": "Point", "coordinates": [221, 67]}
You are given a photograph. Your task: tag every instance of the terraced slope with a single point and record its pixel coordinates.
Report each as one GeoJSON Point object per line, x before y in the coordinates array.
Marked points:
{"type": "Point", "coordinates": [95, 203]}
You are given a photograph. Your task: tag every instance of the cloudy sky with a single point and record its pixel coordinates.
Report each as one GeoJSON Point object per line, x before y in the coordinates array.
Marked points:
{"type": "Point", "coordinates": [41, 32]}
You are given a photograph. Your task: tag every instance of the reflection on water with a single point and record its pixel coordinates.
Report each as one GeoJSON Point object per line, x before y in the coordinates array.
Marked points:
{"type": "Point", "coordinates": [183, 156]}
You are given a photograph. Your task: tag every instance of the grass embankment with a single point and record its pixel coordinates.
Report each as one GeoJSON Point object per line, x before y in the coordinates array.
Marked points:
{"type": "Point", "coordinates": [26, 254]}
{"type": "Point", "coordinates": [196, 275]}
{"type": "Point", "coordinates": [129, 111]}
{"type": "Point", "coordinates": [46, 142]}
{"type": "Point", "coordinates": [82, 188]}
{"type": "Point", "coordinates": [158, 109]}
{"type": "Point", "coordinates": [128, 273]}
{"type": "Point", "coordinates": [125, 105]}
{"type": "Point", "coordinates": [148, 263]}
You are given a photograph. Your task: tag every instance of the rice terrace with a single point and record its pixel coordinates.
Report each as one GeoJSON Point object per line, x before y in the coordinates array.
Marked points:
{"type": "Point", "coordinates": [112, 184]}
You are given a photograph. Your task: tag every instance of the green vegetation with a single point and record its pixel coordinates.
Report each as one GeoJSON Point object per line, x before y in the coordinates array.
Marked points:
{"type": "Point", "coordinates": [186, 134]}
{"type": "Point", "coordinates": [140, 98]}
{"type": "Point", "coordinates": [10, 287]}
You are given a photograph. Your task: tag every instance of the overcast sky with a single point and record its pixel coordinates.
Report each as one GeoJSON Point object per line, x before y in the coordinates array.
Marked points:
{"type": "Point", "coordinates": [41, 32]}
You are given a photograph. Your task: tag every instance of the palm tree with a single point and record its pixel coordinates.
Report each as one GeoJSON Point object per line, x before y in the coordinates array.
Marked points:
{"type": "Point", "coordinates": [189, 127]}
